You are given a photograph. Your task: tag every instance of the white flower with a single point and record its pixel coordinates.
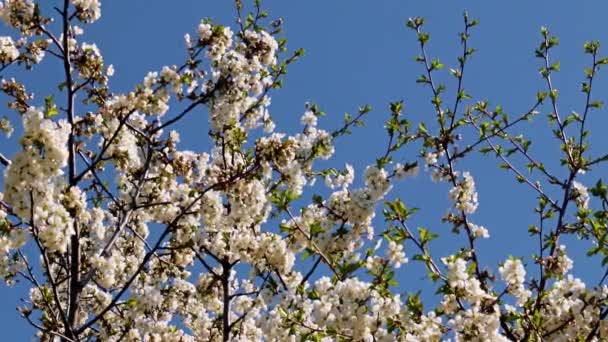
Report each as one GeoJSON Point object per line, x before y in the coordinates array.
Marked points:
{"type": "Point", "coordinates": [396, 255]}
{"type": "Point", "coordinates": [374, 263]}
{"type": "Point", "coordinates": [563, 263]}
{"type": "Point", "coordinates": [188, 40]}
{"type": "Point", "coordinates": [6, 127]}
{"type": "Point", "coordinates": [478, 231]}
{"type": "Point", "coordinates": [204, 31]}
{"type": "Point", "coordinates": [309, 119]}
{"type": "Point", "coordinates": [377, 181]}
{"type": "Point", "coordinates": [401, 172]}
{"type": "Point", "coordinates": [17, 13]}
{"type": "Point", "coordinates": [513, 272]}
{"type": "Point", "coordinates": [431, 158]}
{"type": "Point", "coordinates": [342, 180]}
{"type": "Point", "coordinates": [464, 194]}
{"type": "Point", "coordinates": [88, 11]}
{"type": "Point", "coordinates": [580, 194]}
{"type": "Point", "coordinates": [8, 50]}
{"type": "Point", "coordinates": [460, 279]}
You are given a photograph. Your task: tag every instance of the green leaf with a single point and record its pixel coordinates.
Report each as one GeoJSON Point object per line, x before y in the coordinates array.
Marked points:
{"type": "Point", "coordinates": [50, 109]}
{"type": "Point", "coordinates": [605, 261]}
{"type": "Point", "coordinates": [602, 61]}
{"type": "Point", "coordinates": [131, 302]}
{"type": "Point", "coordinates": [422, 128]}
{"type": "Point", "coordinates": [426, 235]}
{"type": "Point", "coordinates": [423, 38]}
{"type": "Point", "coordinates": [596, 104]}
{"type": "Point", "coordinates": [316, 229]}
{"type": "Point", "coordinates": [365, 109]}
{"type": "Point", "coordinates": [455, 73]}
{"type": "Point", "coordinates": [396, 107]}
{"type": "Point", "coordinates": [553, 94]}
{"type": "Point", "coordinates": [422, 79]}
{"type": "Point", "coordinates": [436, 65]}
{"type": "Point", "coordinates": [591, 47]}
{"type": "Point", "coordinates": [347, 118]}
{"type": "Point", "coordinates": [471, 267]}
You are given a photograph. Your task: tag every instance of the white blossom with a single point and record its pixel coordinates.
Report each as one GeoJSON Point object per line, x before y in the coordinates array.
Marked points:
{"type": "Point", "coordinates": [478, 231]}
{"type": "Point", "coordinates": [396, 255]}
{"type": "Point", "coordinates": [88, 11]}
{"type": "Point", "coordinates": [309, 119]}
{"type": "Point", "coordinates": [464, 194]}
{"type": "Point", "coordinates": [581, 195]}
{"type": "Point", "coordinates": [8, 50]}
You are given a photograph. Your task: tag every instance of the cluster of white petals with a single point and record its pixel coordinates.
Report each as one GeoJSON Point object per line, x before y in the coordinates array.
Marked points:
{"type": "Point", "coordinates": [17, 13]}
{"type": "Point", "coordinates": [581, 195]}
{"type": "Point", "coordinates": [514, 274]}
{"type": "Point", "coordinates": [401, 171]}
{"type": "Point", "coordinates": [6, 127]}
{"type": "Point", "coordinates": [33, 184]}
{"type": "Point", "coordinates": [342, 180]}
{"type": "Point", "coordinates": [462, 282]}
{"type": "Point", "coordinates": [8, 51]}
{"type": "Point", "coordinates": [478, 231]}
{"type": "Point", "coordinates": [464, 194]}
{"type": "Point", "coordinates": [87, 11]}
{"type": "Point", "coordinates": [396, 255]}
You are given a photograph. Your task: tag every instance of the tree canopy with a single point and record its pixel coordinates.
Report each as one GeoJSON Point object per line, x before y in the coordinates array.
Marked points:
{"type": "Point", "coordinates": [121, 234]}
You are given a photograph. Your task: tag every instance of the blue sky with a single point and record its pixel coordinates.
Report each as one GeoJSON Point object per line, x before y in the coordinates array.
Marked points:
{"type": "Point", "coordinates": [359, 52]}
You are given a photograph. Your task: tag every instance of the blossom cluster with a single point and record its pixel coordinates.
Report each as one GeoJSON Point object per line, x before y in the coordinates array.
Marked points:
{"type": "Point", "coordinates": [8, 51]}
{"type": "Point", "coordinates": [33, 184]}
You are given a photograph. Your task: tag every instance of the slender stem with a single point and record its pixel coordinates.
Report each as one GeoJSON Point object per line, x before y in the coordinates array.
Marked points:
{"type": "Point", "coordinates": [430, 263]}
{"type": "Point", "coordinates": [552, 90]}
{"type": "Point", "coordinates": [4, 161]}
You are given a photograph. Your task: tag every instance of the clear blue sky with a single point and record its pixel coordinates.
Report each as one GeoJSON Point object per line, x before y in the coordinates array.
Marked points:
{"type": "Point", "coordinates": [359, 52]}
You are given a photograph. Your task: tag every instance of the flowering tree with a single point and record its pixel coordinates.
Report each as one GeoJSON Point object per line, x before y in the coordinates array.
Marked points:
{"type": "Point", "coordinates": [124, 236]}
